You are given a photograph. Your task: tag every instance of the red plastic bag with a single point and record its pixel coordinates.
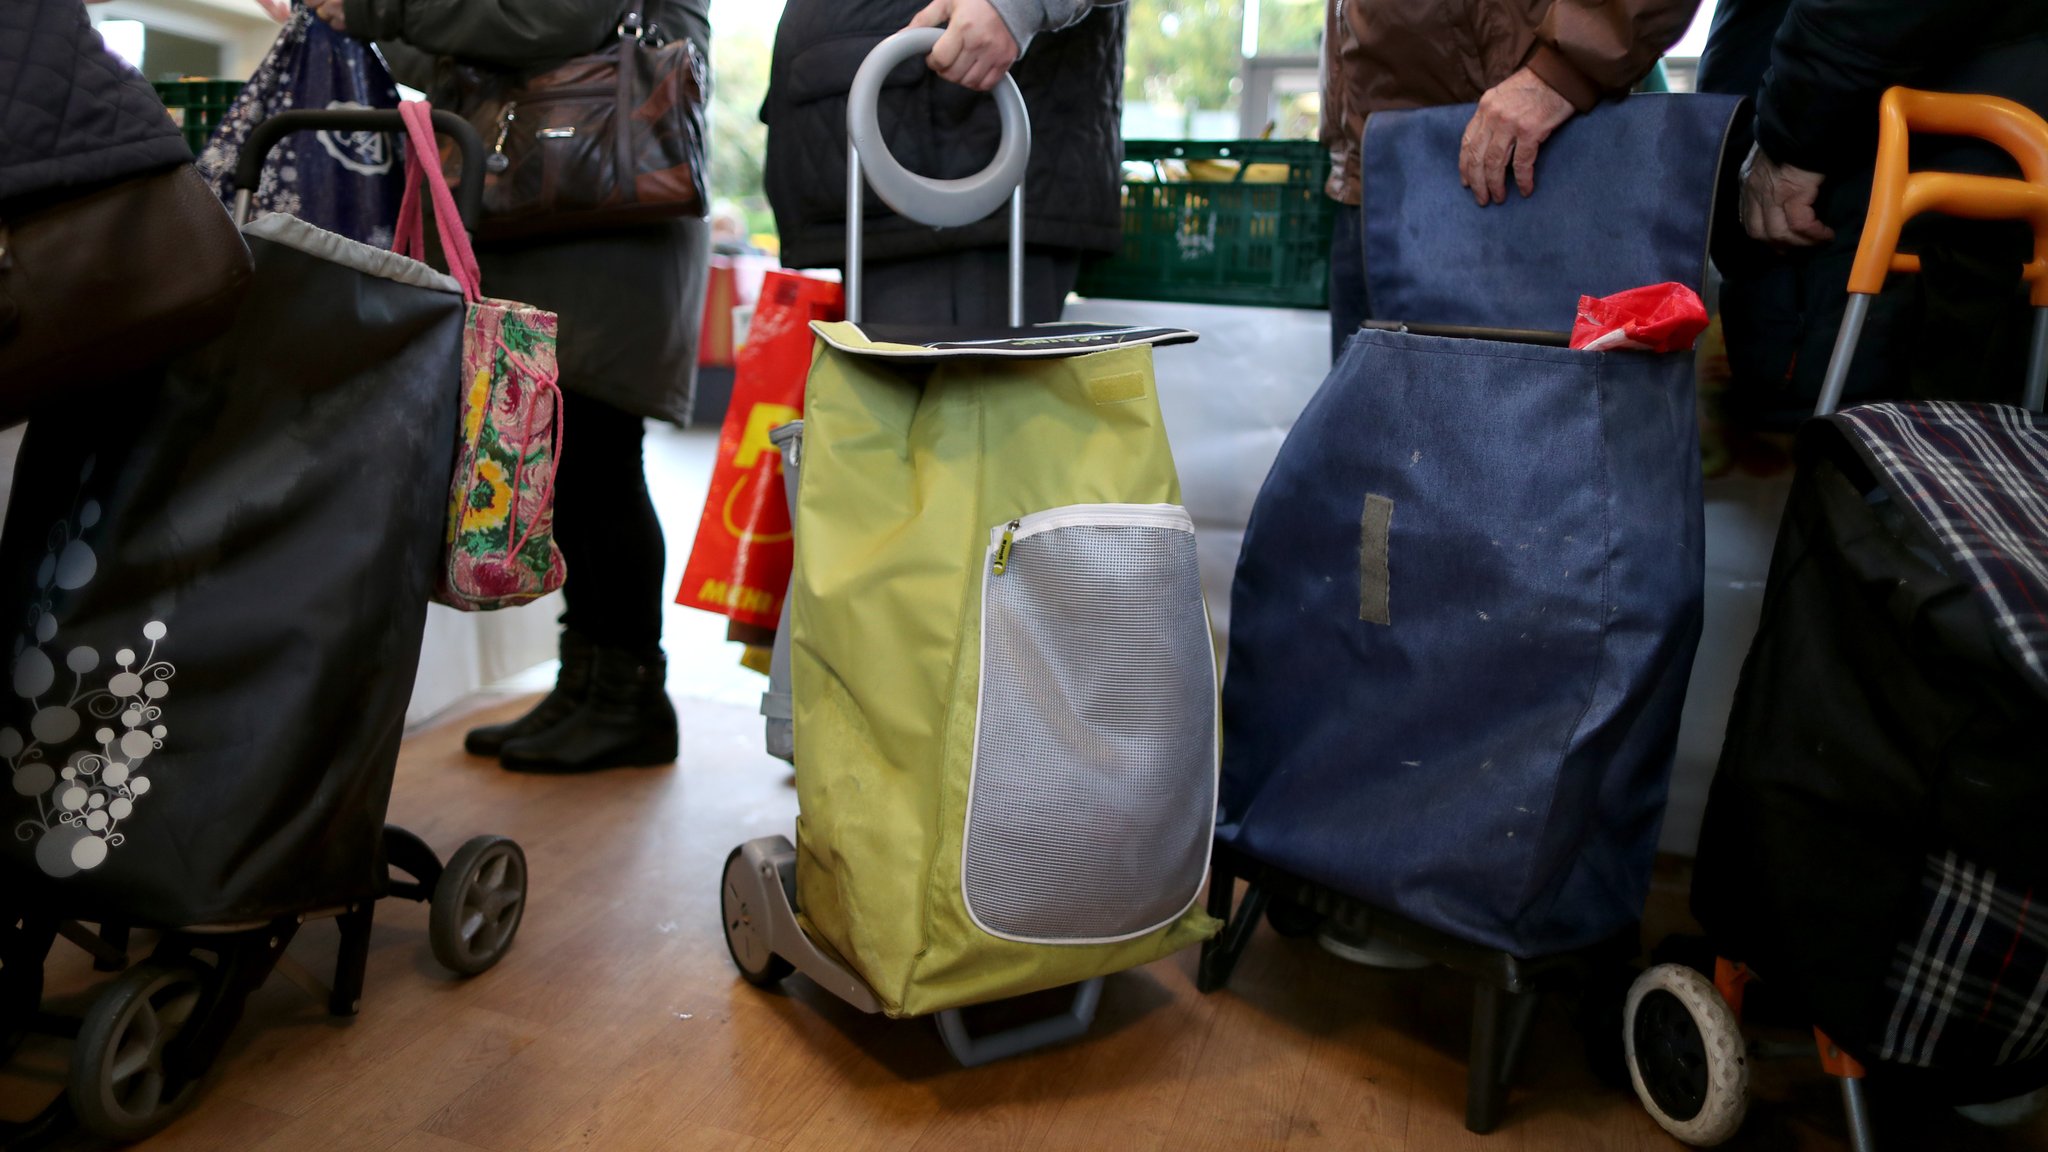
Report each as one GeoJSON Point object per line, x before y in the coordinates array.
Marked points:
{"type": "Point", "coordinates": [1658, 318]}
{"type": "Point", "coordinates": [740, 564]}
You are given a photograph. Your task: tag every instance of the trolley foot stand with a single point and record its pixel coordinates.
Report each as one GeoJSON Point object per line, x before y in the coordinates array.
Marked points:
{"type": "Point", "coordinates": [1506, 989]}
{"type": "Point", "coordinates": [757, 905]}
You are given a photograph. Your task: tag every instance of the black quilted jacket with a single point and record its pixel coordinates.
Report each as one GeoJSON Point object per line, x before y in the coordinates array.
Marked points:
{"type": "Point", "coordinates": [1072, 82]}
{"type": "Point", "coordinates": [72, 114]}
{"type": "Point", "coordinates": [1818, 67]}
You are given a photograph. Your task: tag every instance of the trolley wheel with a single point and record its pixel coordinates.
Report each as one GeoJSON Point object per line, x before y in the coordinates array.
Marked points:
{"type": "Point", "coordinates": [119, 1086]}
{"type": "Point", "coordinates": [21, 983]}
{"type": "Point", "coordinates": [746, 937]}
{"type": "Point", "coordinates": [2013, 1113]}
{"type": "Point", "coordinates": [1686, 1055]}
{"type": "Point", "coordinates": [1292, 920]}
{"type": "Point", "coordinates": [477, 905]}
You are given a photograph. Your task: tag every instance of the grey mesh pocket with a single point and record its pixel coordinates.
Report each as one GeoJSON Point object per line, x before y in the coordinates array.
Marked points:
{"type": "Point", "coordinates": [1093, 797]}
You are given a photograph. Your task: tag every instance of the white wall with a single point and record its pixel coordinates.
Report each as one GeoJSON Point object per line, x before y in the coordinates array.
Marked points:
{"type": "Point", "coordinates": [467, 651]}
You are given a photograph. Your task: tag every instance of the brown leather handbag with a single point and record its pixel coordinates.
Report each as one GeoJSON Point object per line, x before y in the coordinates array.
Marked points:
{"type": "Point", "coordinates": [616, 137]}
{"type": "Point", "coordinates": [100, 286]}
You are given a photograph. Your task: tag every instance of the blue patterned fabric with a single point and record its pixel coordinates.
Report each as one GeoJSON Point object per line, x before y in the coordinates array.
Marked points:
{"type": "Point", "coordinates": [344, 182]}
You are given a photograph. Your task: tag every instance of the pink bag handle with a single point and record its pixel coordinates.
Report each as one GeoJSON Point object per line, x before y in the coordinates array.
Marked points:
{"type": "Point", "coordinates": [410, 239]}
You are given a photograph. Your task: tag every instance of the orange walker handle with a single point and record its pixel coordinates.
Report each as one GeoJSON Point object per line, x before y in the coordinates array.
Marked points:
{"type": "Point", "coordinates": [1898, 194]}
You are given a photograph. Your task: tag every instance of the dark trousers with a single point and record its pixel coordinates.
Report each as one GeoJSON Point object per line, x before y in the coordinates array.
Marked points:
{"type": "Point", "coordinates": [1348, 305]}
{"type": "Point", "coordinates": [969, 288]}
{"type": "Point", "coordinates": [606, 526]}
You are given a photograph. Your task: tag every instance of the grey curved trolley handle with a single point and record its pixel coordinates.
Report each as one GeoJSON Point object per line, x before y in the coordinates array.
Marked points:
{"type": "Point", "coordinates": [469, 195]}
{"type": "Point", "coordinates": [939, 203]}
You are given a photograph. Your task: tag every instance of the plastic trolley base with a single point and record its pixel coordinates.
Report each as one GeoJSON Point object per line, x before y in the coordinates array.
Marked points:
{"type": "Point", "coordinates": [757, 900]}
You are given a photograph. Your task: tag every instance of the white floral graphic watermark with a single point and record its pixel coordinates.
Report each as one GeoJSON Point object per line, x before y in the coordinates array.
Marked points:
{"type": "Point", "coordinates": [82, 793]}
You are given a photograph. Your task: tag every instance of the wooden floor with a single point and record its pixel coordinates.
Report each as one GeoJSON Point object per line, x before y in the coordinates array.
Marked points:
{"type": "Point", "coordinates": [617, 1023]}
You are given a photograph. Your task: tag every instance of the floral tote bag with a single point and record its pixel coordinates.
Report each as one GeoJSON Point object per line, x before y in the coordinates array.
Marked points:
{"type": "Point", "coordinates": [501, 547]}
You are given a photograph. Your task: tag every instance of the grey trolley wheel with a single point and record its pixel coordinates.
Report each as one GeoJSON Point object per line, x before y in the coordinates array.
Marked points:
{"type": "Point", "coordinates": [746, 926]}
{"type": "Point", "coordinates": [478, 904]}
{"type": "Point", "coordinates": [2011, 1113]}
{"type": "Point", "coordinates": [1686, 1055]}
{"type": "Point", "coordinates": [119, 1086]}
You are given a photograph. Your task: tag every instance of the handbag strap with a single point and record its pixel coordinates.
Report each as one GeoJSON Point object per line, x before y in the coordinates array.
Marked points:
{"type": "Point", "coordinates": [410, 239]}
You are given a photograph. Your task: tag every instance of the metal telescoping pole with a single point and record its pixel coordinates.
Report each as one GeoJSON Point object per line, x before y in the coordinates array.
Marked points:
{"type": "Point", "coordinates": [1017, 256]}
{"type": "Point", "coordinates": [1857, 1109]}
{"type": "Point", "coordinates": [854, 197]}
{"type": "Point", "coordinates": [1845, 353]}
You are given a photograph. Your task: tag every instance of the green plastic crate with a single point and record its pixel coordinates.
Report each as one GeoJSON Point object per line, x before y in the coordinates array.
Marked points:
{"type": "Point", "coordinates": [1222, 242]}
{"type": "Point", "coordinates": [198, 106]}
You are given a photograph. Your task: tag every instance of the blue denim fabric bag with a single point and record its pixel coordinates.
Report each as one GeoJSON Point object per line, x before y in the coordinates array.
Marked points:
{"type": "Point", "coordinates": [1622, 199]}
{"type": "Point", "coordinates": [1469, 596]}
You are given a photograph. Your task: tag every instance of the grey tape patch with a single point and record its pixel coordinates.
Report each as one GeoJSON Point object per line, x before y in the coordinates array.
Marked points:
{"type": "Point", "coordinates": [1373, 589]}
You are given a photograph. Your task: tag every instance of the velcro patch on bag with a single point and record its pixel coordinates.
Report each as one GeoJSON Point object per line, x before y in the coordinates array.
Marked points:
{"type": "Point", "coordinates": [1121, 388]}
{"type": "Point", "coordinates": [1374, 588]}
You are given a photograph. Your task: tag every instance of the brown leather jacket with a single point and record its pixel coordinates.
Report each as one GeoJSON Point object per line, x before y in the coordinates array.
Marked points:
{"type": "Point", "coordinates": [1384, 54]}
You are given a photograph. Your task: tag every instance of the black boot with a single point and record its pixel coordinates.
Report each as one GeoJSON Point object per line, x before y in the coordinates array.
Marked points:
{"type": "Point", "coordinates": [625, 721]}
{"type": "Point", "coordinates": [572, 685]}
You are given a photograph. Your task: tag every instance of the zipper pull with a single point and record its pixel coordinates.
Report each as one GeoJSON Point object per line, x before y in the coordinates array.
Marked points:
{"type": "Point", "coordinates": [1003, 549]}
{"type": "Point", "coordinates": [497, 162]}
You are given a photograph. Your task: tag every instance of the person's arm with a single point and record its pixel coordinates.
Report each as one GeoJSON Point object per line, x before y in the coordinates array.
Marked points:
{"type": "Point", "coordinates": [1817, 110]}
{"type": "Point", "coordinates": [1589, 49]}
{"type": "Point", "coordinates": [984, 37]}
{"type": "Point", "coordinates": [1585, 50]}
{"type": "Point", "coordinates": [502, 33]}
{"type": "Point", "coordinates": [1026, 18]}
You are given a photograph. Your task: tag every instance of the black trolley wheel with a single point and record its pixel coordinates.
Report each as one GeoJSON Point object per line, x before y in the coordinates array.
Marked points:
{"type": "Point", "coordinates": [1291, 920]}
{"type": "Point", "coordinates": [478, 904]}
{"type": "Point", "coordinates": [122, 1087]}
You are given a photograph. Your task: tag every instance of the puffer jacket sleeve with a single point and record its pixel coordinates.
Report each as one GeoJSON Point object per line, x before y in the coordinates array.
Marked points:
{"type": "Point", "coordinates": [1833, 59]}
{"type": "Point", "coordinates": [1587, 49]}
{"type": "Point", "coordinates": [510, 34]}
{"type": "Point", "coordinates": [1026, 18]}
